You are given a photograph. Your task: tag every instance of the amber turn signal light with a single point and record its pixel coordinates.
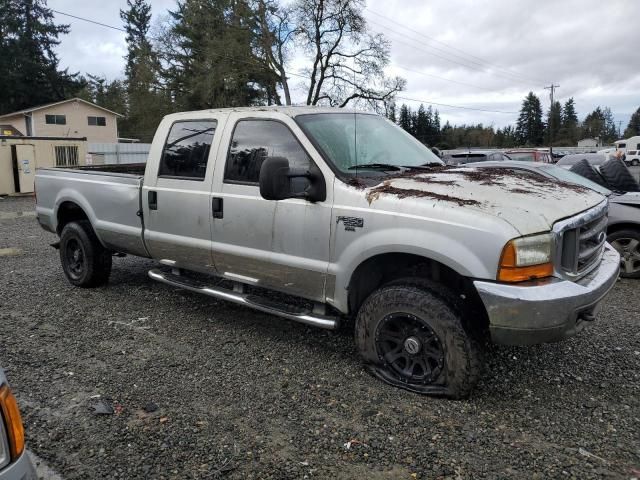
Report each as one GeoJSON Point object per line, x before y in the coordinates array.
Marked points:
{"type": "Point", "coordinates": [13, 421]}
{"type": "Point", "coordinates": [509, 271]}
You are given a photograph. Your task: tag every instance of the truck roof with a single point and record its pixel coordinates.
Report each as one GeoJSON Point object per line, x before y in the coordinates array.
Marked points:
{"type": "Point", "coordinates": [291, 111]}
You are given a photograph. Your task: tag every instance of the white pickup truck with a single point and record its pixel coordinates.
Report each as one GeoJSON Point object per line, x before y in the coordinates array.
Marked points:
{"type": "Point", "coordinates": [350, 217]}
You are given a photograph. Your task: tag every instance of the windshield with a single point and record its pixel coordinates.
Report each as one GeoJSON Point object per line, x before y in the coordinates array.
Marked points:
{"type": "Point", "coordinates": [567, 176]}
{"type": "Point", "coordinates": [349, 140]}
{"type": "Point", "coordinates": [523, 156]}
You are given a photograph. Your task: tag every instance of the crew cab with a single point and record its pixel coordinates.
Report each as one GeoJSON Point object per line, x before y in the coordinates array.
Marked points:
{"type": "Point", "coordinates": [349, 217]}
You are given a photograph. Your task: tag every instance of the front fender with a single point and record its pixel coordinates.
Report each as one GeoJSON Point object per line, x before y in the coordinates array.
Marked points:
{"type": "Point", "coordinates": [474, 255]}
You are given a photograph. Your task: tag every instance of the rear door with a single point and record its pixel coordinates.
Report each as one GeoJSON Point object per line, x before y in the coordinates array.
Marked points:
{"type": "Point", "coordinates": [25, 166]}
{"type": "Point", "coordinates": [177, 196]}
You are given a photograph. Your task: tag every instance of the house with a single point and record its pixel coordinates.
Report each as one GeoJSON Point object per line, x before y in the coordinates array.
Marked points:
{"type": "Point", "coordinates": [589, 142]}
{"type": "Point", "coordinates": [20, 156]}
{"type": "Point", "coordinates": [73, 118]}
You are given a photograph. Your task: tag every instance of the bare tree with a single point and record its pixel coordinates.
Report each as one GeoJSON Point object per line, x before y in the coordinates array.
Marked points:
{"type": "Point", "coordinates": [347, 62]}
{"type": "Point", "coordinates": [276, 35]}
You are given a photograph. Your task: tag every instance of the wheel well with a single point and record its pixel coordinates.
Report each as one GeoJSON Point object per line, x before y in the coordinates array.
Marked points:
{"type": "Point", "coordinates": [382, 269]}
{"type": "Point", "coordinates": [622, 226]}
{"type": "Point", "coordinates": [69, 212]}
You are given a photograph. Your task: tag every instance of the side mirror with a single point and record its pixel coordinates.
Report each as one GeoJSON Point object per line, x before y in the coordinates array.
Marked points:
{"type": "Point", "coordinates": [275, 181]}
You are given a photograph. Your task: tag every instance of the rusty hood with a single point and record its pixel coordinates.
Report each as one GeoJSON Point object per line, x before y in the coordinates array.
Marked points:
{"type": "Point", "coordinates": [529, 202]}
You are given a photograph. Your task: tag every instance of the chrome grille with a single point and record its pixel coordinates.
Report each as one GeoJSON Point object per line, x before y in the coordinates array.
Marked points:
{"type": "Point", "coordinates": [580, 242]}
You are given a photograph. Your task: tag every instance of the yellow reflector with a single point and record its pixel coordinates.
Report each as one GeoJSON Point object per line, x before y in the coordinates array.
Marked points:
{"type": "Point", "coordinates": [13, 420]}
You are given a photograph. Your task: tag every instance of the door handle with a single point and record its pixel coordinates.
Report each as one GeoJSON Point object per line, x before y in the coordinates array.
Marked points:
{"type": "Point", "coordinates": [217, 204]}
{"type": "Point", "coordinates": [153, 200]}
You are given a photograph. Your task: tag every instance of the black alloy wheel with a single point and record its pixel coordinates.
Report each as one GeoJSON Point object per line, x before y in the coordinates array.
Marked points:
{"type": "Point", "coordinates": [410, 349]}
{"type": "Point", "coordinates": [75, 258]}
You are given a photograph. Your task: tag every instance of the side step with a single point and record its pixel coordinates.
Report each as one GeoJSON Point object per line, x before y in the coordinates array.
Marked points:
{"type": "Point", "coordinates": [292, 312]}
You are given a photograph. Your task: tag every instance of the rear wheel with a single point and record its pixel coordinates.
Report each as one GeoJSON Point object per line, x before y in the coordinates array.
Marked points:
{"type": "Point", "coordinates": [411, 336]}
{"type": "Point", "coordinates": [627, 243]}
{"type": "Point", "coordinates": [86, 263]}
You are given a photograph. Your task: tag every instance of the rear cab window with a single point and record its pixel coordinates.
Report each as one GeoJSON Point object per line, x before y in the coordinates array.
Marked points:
{"type": "Point", "coordinates": [186, 151]}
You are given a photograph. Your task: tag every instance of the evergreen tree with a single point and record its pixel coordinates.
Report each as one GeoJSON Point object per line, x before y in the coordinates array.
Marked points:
{"type": "Point", "coordinates": [421, 125]}
{"type": "Point", "coordinates": [147, 101]}
{"type": "Point", "coordinates": [530, 129]}
{"type": "Point", "coordinates": [29, 70]}
{"type": "Point", "coordinates": [554, 124]}
{"type": "Point", "coordinates": [569, 130]}
{"type": "Point", "coordinates": [633, 128]}
{"type": "Point", "coordinates": [390, 111]}
{"type": "Point", "coordinates": [211, 50]}
{"type": "Point", "coordinates": [405, 118]}
{"type": "Point", "coordinates": [600, 124]}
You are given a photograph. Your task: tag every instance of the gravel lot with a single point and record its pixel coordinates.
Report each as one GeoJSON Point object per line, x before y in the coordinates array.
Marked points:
{"type": "Point", "coordinates": [240, 394]}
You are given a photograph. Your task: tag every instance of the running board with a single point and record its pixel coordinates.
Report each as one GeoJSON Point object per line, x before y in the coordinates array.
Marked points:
{"type": "Point", "coordinates": [291, 312]}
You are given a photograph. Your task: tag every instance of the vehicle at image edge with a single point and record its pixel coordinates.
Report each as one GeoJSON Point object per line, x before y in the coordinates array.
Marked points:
{"type": "Point", "coordinates": [623, 228]}
{"type": "Point", "coordinates": [351, 217]}
{"type": "Point", "coordinates": [632, 158]}
{"type": "Point", "coordinates": [460, 158]}
{"type": "Point", "coordinates": [529, 155]}
{"type": "Point", "coordinates": [15, 464]}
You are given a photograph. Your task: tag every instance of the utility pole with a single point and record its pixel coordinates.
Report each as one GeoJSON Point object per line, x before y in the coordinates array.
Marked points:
{"type": "Point", "coordinates": [619, 127]}
{"type": "Point", "coordinates": [552, 88]}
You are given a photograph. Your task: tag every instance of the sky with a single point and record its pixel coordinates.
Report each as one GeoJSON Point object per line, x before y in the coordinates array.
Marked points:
{"type": "Point", "coordinates": [453, 53]}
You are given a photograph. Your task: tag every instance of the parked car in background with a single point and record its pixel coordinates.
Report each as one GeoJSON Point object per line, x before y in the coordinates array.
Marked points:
{"type": "Point", "coordinates": [529, 155]}
{"type": "Point", "coordinates": [15, 464]}
{"type": "Point", "coordinates": [632, 158]}
{"type": "Point", "coordinates": [623, 226]}
{"type": "Point", "coordinates": [460, 158]}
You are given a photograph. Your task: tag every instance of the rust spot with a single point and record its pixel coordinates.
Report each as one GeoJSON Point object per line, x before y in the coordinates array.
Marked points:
{"type": "Point", "coordinates": [387, 189]}
{"type": "Point", "coordinates": [357, 182]}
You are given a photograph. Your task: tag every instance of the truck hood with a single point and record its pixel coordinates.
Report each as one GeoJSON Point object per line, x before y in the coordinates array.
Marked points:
{"type": "Point", "coordinates": [527, 201]}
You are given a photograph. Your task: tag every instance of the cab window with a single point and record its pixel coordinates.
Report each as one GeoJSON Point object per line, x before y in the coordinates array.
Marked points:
{"type": "Point", "coordinates": [255, 140]}
{"type": "Point", "coordinates": [186, 150]}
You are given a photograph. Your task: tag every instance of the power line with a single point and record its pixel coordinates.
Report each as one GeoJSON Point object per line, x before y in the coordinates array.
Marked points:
{"type": "Point", "coordinates": [434, 40]}
{"type": "Point", "coordinates": [430, 102]}
{"type": "Point", "coordinates": [477, 67]}
{"type": "Point", "coordinates": [254, 63]}
{"type": "Point", "coordinates": [90, 21]}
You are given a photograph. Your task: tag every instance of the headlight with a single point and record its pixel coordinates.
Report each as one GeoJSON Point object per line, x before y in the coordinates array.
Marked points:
{"type": "Point", "coordinates": [526, 258]}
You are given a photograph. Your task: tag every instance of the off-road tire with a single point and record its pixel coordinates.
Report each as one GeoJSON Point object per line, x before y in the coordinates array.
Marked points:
{"type": "Point", "coordinates": [436, 306]}
{"type": "Point", "coordinates": [91, 266]}
{"type": "Point", "coordinates": [617, 174]}
{"type": "Point", "coordinates": [623, 242]}
{"type": "Point", "coordinates": [586, 170]}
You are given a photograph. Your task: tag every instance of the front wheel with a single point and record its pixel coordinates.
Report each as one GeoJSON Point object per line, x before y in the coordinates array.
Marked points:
{"type": "Point", "coordinates": [86, 263]}
{"type": "Point", "coordinates": [411, 336]}
{"type": "Point", "coordinates": [627, 243]}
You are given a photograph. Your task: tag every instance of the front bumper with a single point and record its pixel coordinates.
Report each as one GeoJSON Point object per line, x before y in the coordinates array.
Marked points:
{"type": "Point", "coordinates": [21, 469]}
{"type": "Point", "coordinates": [548, 310]}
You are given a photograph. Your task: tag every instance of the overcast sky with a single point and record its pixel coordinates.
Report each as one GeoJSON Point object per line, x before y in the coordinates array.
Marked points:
{"type": "Point", "coordinates": [483, 55]}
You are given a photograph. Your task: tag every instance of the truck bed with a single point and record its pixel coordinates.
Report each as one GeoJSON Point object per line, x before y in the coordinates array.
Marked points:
{"type": "Point", "coordinates": [109, 195]}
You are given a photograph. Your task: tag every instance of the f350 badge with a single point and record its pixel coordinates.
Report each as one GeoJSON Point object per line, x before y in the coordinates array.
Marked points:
{"type": "Point", "coordinates": [351, 223]}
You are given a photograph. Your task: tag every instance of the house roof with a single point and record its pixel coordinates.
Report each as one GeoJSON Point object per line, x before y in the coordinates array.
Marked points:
{"type": "Point", "coordinates": [48, 105]}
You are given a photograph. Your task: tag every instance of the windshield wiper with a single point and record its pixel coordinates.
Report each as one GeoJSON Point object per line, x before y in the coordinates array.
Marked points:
{"type": "Point", "coordinates": [375, 166]}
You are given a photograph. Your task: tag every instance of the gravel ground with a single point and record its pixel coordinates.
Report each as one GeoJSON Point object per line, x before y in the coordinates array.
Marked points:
{"type": "Point", "coordinates": [240, 394]}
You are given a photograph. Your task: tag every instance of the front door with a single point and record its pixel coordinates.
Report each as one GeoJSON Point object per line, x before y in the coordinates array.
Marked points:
{"type": "Point", "coordinates": [177, 197]}
{"type": "Point", "coordinates": [25, 167]}
{"type": "Point", "coordinates": [283, 245]}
